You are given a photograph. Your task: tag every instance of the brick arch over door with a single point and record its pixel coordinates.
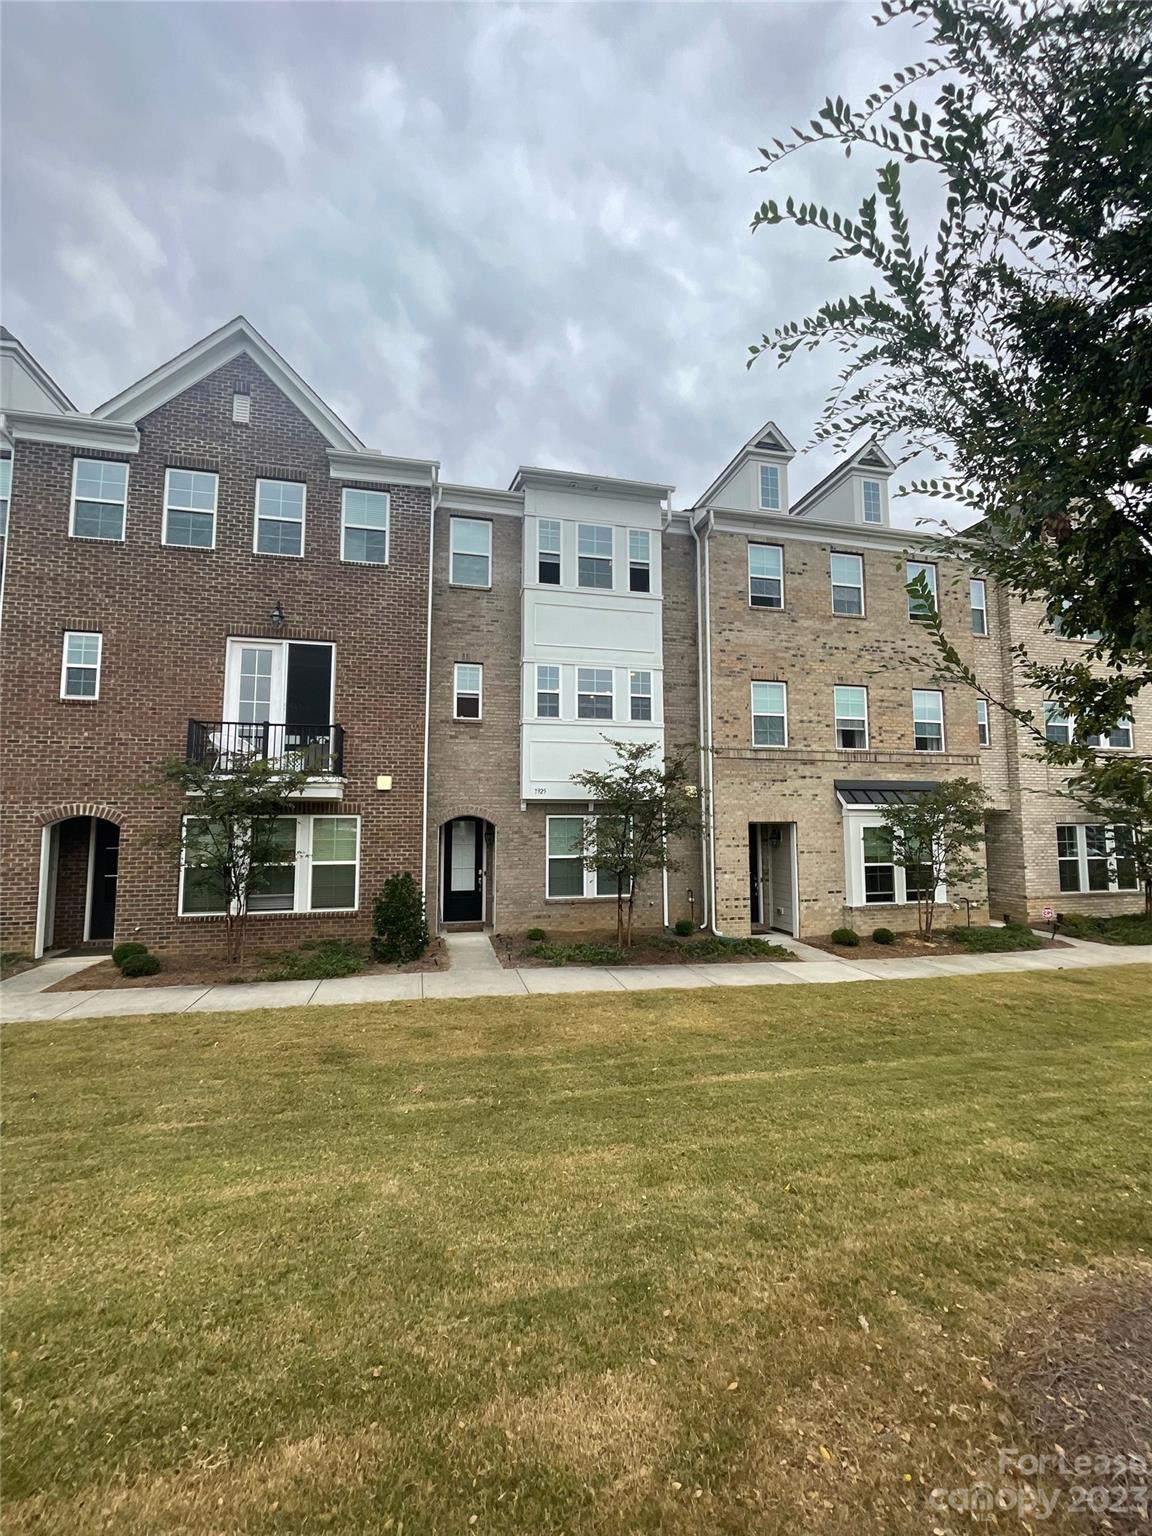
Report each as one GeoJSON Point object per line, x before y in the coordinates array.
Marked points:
{"type": "Point", "coordinates": [79, 808]}
{"type": "Point", "coordinates": [468, 810]}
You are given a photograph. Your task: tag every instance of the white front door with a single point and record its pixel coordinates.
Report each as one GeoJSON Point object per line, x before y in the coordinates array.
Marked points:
{"type": "Point", "coordinates": [254, 686]}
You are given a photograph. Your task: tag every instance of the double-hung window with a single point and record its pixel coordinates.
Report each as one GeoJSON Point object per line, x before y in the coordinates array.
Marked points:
{"type": "Point", "coordinates": [470, 552]}
{"type": "Point", "coordinates": [335, 857]}
{"type": "Point", "coordinates": [273, 888]}
{"type": "Point", "coordinates": [1119, 737]}
{"type": "Point", "coordinates": [468, 691]}
{"type": "Point", "coordinates": [567, 876]}
{"type": "Point", "coordinates": [279, 517]}
{"type": "Point", "coordinates": [640, 695]}
{"type": "Point", "coordinates": [547, 693]}
{"type": "Point", "coordinates": [874, 876]}
{"type": "Point", "coordinates": [5, 494]}
{"type": "Point", "coordinates": [593, 556]}
{"type": "Point", "coordinates": [594, 693]}
{"type": "Point", "coordinates": [918, 608]}
{"type": "Point", "coordinates": [769, 714]}
{"type": "Point", "coordinates": [928, 719]}
{"type": "Point", "coordinates": [873, 501]}
{"type": "Point", "coordinates": [364, 517]}
{"type": "Point", "coordinates": [1096, 858]}
{"type": "Point", "coordinates": [639, 560]}
{"type": "Point", "coordinates": [80, 667]}
{"type": "Point", "coordinates": [978, 602]}
{"type": "Point", "coordinates": [851, 704]}
{"type": "Point", "coordinates": [879, 869]}
{"type": "Point", "coordinates": [312, 865]}
{"type": "Point", "coordinates": [983, 728]}
{"type": "Point", "coordinates": [99, 499]}
{"type": "Point", "coordinates": [1057, 724]}
{"type": "Point", "coordinates": [548, 551]}
{"type": "Point", "coordinates": [848, 584]}
{"type": "Point", "coordinates": [765, 576]}
{"type": "Point", "coordinates": [190, 508]}
{"type": "Point", "coordinates": [770, 487]}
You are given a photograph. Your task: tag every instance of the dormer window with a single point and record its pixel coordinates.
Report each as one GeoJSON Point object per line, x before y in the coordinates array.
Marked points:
{"type": "Point", "coordinates": [873, 502]}
{"type": "Point", "coordinates": [770, 487]}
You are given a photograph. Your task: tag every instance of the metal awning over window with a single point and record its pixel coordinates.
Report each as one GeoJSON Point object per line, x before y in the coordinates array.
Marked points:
{"type": "Point", "coordinates": [880, 792]}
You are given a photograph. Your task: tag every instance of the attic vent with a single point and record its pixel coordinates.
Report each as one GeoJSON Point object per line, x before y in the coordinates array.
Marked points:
{"type": "Point", "coordinates": [873, 461]}
{"type": "Point", "coordinates": [241, 407]}
{"type": "Point", "coordinates": [771, 443]}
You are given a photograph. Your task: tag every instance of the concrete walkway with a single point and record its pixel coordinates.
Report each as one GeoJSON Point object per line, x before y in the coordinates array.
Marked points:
{"type": "Point", "coordinates": [476, 972]}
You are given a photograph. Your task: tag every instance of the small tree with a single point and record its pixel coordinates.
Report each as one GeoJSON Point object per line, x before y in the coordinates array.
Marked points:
{"type": "Point", "coordinates": [1119, 791]}
{"type": "Point", "coordinates": [641, 804]}
{"type": "Point", "coordinates": [400, 927]}
{"type": "Point", "coordinates": [935, 836]}
{"type": "Point", "coordinates": [229, 833]}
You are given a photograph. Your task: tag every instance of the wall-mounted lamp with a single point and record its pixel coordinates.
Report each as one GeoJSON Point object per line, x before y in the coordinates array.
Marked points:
{"type": "Point", "coordinates": [278, 616]}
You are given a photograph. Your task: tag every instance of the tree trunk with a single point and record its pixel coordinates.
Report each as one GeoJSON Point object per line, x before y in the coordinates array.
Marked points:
{"type": "Point", "coordinates": [619, 916]}
{"type": "Point", "coordinates": [631, 904]}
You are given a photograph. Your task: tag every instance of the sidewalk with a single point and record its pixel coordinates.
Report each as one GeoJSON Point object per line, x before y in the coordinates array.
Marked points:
{"type": "Point", "coordinates": [475, 972]}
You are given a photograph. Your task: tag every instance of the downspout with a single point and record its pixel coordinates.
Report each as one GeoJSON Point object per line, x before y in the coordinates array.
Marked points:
{"type": "Point", "coordinates": [704, 665]}
{"type": "Point", "coordinates": [435, 506]}
{"type": "Point", "coordinates": [665, 524]}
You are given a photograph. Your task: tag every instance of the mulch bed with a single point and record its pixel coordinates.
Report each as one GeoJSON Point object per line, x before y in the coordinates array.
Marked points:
{"type": "Point", "coordinates": [909, 946]}
{"type": "Point", "coordinates": [512, 950]}
{"type": "Point", "coordinates": [1079, 1374]}
{"type": "Point", "coordinates": [213, 970]}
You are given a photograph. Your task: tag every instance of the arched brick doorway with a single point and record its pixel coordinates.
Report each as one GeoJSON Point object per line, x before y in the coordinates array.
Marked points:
{"type": "Point", "coordinates": [79, 870]}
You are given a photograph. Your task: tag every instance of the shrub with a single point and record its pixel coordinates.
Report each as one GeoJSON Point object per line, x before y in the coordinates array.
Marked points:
{"type": "Point", "coordinates": [713, 944]}
{"type": "Point", "coordinates": [401, 931]}
{"type": "Point", "coordinates": [992, 940]}
{"type": "Point", "coordinates": [1127, 928]}
{"type": "Point", "coordinates": [883, 936]}
{"type": "Point", "coordinates": [536, 935]}
{"type": "Point", "coordinates": [318, 960]}
{"type": "Point", "coordinates": [684, 927]}
{"type": "Point", "coordinates": [124, 952]}
{"type": "Point", "coordinates": [577, 954]}
{"type": "Point", "coordinates": [846, 936]}
{"type": "Point", "coordinates": [140, 965]}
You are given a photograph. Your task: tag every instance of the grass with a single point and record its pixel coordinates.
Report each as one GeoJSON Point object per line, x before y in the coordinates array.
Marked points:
{"type": "Point", "coordinates": [1128, 928]}
{"type": "Point", "coordinates": [697, 1262]}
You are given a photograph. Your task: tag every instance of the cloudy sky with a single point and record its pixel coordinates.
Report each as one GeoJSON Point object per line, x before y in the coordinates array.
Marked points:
{"type": "Point", "coordinates": [489, 234]}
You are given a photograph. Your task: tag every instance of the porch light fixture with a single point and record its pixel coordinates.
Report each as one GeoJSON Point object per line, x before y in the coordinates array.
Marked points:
{"type": "Point", "coordinates": [278, 616]}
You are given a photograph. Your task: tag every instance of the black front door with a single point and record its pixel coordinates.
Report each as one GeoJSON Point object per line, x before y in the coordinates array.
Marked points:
{"type": "Point", "coordinates": [463, 870]}
{"type": "Point", "coordinates": [755, 875]}
{"type": "Point", "coordinates": [105, 861]}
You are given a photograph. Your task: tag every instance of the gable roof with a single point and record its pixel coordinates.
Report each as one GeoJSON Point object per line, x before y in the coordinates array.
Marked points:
{"type": "Point", "coordinates": [212, 352]}
{"type": "Point", "coordinates": [11, 346]}
{"type": "Point", "coordinates": [869, 457]}
{"type": "Point", "coordinates": [767, 440]}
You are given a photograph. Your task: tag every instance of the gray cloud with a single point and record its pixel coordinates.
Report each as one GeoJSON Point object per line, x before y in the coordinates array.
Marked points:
{"type": "Point", "coordinates": [490, 234]}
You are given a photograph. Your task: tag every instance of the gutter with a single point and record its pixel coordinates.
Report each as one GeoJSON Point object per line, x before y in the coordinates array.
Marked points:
{"type": "Point", "coordinates": [434, 508]}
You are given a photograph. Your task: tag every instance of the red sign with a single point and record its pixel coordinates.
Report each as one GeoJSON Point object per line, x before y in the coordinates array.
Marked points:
{"type": "Point", "coordinates": [1049, 915]}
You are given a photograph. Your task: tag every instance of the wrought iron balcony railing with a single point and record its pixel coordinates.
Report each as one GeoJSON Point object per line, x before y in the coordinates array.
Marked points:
{"type": "Point", "coordinates": [222, 745]}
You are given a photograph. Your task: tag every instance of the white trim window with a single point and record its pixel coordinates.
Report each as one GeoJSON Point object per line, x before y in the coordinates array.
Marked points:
{"type": "Point", "coordinates": [594, 556]}
{"type": "Point", "coordinates": [978, 603]}
{"type": "Point", "coordinates": [1058, 725]}
{"type": "Point", "coordinates": [547, 693]}
{"type": "Point", "coordinates": [1095, 858]}
{"type": "Point", "coordinates": [928, 719]}
{"type": "Point", "coordinates": [190, 508]}
{"type": "Point", "coordinates": [279, 524]}
{"type": "Point", "coordinates": [879, 870]}
{"type": "Point", "coordinates": [769, 714]}
{"type": "Point", "coordinates": [874, 879]}
{"type": "Point", "coordinates": [872, 501]}
{"type": "Point", "coordinates": [5, 494]}
{"type": "Point", "coordinates": [594, 699]}
{"type": "Point", "coordinates": [1060, 729]}
{"type": "Point", "coordinates": [320, 871]}
{"type": "Point", "coordinates": [847, 584]}
{"type": "Point", "coordinates": [639, 560]}
{"type": "Point", "coordinates": [917, 608]}
{"type": "Point", "coordinates": [566, 877]}
{"type": "Point", "coordinates": [770, 487]}
{"type": "Point", "coordinates": [851, 707]}
{"type": "Point", "coordinates": [468, 691]}
{"type": "Point", "coordinates": [470, 552]}
{"type": "Point", "coordinates": [983, 726]}
{"type": "Point", "coordinates": [640, 695]}
{"type": "Point", "coordinates": [80, 664]}
{"type": "Point", "coordinates": [365, 519]}
{"type": "Point", "coordinates": [99, 499]}
{"type": "Point", "coordinates": [765, 576]}
{"type": "Point", "coordinates": [548, 551]}
{"type": "Point", "coordinates": [1118, 739]}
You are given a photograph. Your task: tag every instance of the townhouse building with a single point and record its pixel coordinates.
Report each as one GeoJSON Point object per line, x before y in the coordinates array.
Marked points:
{"type": "Point", "coordinates": [212, 566]}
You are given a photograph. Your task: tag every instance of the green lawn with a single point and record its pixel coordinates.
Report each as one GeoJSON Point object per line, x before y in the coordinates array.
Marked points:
{"type": "Point", "coordinates": [725, 1261]}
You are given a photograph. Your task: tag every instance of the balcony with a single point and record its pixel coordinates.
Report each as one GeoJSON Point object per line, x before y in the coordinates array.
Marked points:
{"type": "Point", "coordinates": [317, 750]}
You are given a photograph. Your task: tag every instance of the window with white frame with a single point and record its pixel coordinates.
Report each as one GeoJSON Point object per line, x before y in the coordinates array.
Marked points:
{"type": "Point", "coordinates": [770, 487]}
{"type": "Point", "coordinates": [978, 603]}
{"type": "Point", "coordinates": [593, 556]}
{"type": "Point", "coordinates": [1096, 858]}
{"type": "Point", "coordinates": [5, 494]}
{"type": "Point", "coordinates": [917, 607]}
{"type": "Point", "coordinates": [848, 584]}
{"type": "Point", "coordinates": [468, 690]}
{"type": "Point", "coordinates": [983, 728]}
{"type": "Point", "coordinates": [1119, 737]}
{"type": "Point", "coordinates": [548, 693]}
{"type": "Point", "coordinates": [279, 517]}
{"type": "Point", "coordinates": [1067, 631]}
{"type": "Point", "coordinates": [80, 667]}
{"type": "Point", "coordinates": [1060, 728]}
{"type": "Point", "coordinates": [470, 552]}
{"type": "Point", "coordinates": [765, 576]}
{"type": "Point", "coordinates": [567, 876]}
{"type": "Point", "coordinates": [639, 560]}
{"type": "Point", "coordinates": [928, 719]}
{"type": "Point", "coordinates": [873, 876]}
{"type": "Point", "coordinates": [873, 501]}
{"type": "Point", "coordinates": [190, 508]}
{"type": "Point", "coordinates": [99, 499]}
{"type": "Point", "coordinates": [594, 693]}
{"type": "Point", "coordinates": [1057, 724]}
{"type": "Point", "coordinates": [317, 868]}
{"type": "Point", "coordinates": [851, 706]}
{"type": "Point", "coordinates": [879, 870]}
{"type": "Point", "coordinates": [769, 714]}
{"type": "Point", "coordinates": [640, 695]}
{"type": "Point", "coordinates": [364, 520]}
{"type": "Point", "coordinates": [548, 551]}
